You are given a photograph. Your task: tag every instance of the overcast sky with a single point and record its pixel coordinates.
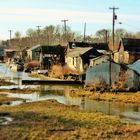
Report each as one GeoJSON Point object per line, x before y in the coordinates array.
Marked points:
{"type": "Point", "coordinates": [20, 15]}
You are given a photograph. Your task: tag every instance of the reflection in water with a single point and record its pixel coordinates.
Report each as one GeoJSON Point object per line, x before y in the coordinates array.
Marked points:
{"type": "Point", "coordinates": [82, 102]}
{"type": "Point", "coordinates": [109, 108]}
{"type": "Point", "coordinates": [61, 94]}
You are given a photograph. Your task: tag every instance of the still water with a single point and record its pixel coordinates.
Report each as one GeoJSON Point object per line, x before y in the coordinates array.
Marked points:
{"type": "Point", "coordinates": [62, 95]}
{"type": "Point", "coordinates": [12, 76]}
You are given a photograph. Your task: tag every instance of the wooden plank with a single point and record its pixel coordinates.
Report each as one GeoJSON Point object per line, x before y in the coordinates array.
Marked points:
{"type": "Point", "coordinates": [57, 82]}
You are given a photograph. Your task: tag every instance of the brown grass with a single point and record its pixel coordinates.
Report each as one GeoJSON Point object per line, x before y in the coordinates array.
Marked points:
{"type": "Point", "coordinates": [122, 97]}
{"type": "Point", "coordinates": [57, 71]}
{"type": "Point", "coordinates": [6, 100]}
{"type": "Point", "coordinates": [33, 64]}
{"type": "Point", "coordinates": [51, 120]}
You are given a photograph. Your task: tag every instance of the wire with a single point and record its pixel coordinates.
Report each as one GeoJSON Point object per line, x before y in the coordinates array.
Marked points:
{"type": "Point", "coordinates": [136, 27]}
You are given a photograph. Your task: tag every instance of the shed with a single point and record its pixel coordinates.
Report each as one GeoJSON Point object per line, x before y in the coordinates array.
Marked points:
{"type": "Point", "coordinates": [47, 55]}
{"type": "Point", "coordinates": [33, 53]}
{"type": "Point", "coordinates": [128, 51]}
{"type": "Point", "coordinates": [10, 52]}
{"type": "Point", "coordinates": [79, 58]}
{"type": "Point", "coordinates": [111, 73]}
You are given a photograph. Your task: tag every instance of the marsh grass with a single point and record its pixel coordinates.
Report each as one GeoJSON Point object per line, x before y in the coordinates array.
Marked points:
{"type": "Point", "coordinates": [6, 100]}
{"type": "Point", "coordinates": [121, 97]}
{"type": "Point", "coordinates": [52, 120]}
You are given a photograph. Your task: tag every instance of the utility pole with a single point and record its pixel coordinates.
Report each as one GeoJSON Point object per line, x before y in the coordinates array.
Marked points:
{"type": "Point", "coordinates": [84, 32]}
{"type": "Point", "coordinates": [38, 32]}
{"type": "Point", "coordinates": [65, 29]}
{"type": "Point", "coordinates": [106, 36]}
{"type": "Point", "coordinates": [65, 25]}
{"type": "Point", "coordinates": [10, 31]}
{"type": "Point", "coordinates": [113, 25]}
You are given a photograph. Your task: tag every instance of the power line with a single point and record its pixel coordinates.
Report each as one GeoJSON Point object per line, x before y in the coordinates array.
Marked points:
{"type": "Point", "coordinates": [131, 26]}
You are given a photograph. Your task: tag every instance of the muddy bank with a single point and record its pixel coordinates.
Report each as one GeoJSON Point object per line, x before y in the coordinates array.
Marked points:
{"type": "Point", "coordinates": [18, 90]}
{"type": "Point", "coordinates": [4, 100]}
{"type": "Point", "coordinates": [5, 83]}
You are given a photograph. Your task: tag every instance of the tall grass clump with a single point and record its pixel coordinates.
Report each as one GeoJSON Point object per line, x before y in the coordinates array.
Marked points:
{"type": "Point", "coordinates": [58, 71]}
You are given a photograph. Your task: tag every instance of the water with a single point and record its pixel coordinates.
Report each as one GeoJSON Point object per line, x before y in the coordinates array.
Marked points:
{"type": "Point", "coordinates": [5, 120]}
{"type": "Point", "coordinates": [61, 94]}
{"type": "Point", "coordinates": [12, 76]}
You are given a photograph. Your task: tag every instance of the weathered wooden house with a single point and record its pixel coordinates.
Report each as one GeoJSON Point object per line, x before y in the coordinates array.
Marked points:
{"type": "Point", "coordinates": [47, 55]}
{"type": "Point", "coordinates": [79, 58]}
{"type": "Point", "coordinates": [128, 51]}
{"type": "Point", "coordinates": [79, 54]}
{"type": "Point", "coordinates": [113, 74]}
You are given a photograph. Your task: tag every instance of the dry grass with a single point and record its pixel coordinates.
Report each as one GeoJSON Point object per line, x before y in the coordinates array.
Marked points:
{"type": "Point", "coordinates": [32, 64]}
{"type": "Point", "coordinates": [51, 120]}
{"type": "Point", "coordinates": [122, 97]}
{"type": "Point", "coordinates": [6, 100]}
{"type": "Point", "coordinates": [57, 71]}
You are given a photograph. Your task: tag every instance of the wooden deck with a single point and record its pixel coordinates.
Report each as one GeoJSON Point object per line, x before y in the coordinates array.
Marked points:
{"type": "Point", "coordinates": [50, 82]}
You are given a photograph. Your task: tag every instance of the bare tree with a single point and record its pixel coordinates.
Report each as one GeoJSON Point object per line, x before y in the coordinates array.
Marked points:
{"type": "Point", "coordinates": [103, 35]}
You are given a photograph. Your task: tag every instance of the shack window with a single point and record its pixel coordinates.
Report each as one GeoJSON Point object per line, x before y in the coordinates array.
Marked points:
{"type": "Point", "coordinates": [36, 54]}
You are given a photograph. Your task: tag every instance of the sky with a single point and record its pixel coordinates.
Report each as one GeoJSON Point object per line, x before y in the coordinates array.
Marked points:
{"type": "Point", "coordinates": [20, 15]}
